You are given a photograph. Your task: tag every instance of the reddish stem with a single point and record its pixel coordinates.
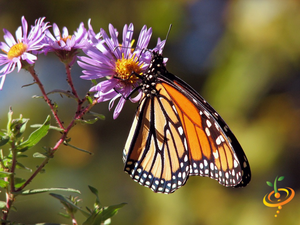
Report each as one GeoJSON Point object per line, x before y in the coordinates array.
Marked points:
{"type": "Point", "coordinates": [79, 114]}
{"type": "Point", "coordinates": [38, 82]}
{"type": "Point", "coordinates": [59, 142]}
{"type": "Point", "coordinates": [70, 82]}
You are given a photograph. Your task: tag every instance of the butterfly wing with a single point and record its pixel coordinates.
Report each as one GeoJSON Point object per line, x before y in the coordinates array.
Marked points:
{"type": "Point", "coordinates": [221, 157]}
{"type": "Point", "coordinates": [156, 154]}
{"type": "Point", "coordinates": [176, 134]}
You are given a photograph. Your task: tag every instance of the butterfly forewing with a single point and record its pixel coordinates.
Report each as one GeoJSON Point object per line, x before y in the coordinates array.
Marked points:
{"type": "Point", "coordinates": [210, 152]}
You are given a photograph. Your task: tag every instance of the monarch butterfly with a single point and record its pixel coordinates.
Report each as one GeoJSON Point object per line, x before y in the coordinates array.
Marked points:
{"type": "Point", "coordinates": [176, 134]}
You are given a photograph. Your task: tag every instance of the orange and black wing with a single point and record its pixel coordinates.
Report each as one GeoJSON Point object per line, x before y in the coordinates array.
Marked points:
{"type": "Point", "coordinates": [177, 134]}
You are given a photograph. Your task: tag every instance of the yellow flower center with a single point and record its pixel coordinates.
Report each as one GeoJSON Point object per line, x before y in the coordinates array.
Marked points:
{"type": "Point", "coordinates": [16, 50]}
{"type": "Point", "coordinates": [127, 69]}
{"type": "Point", "coordinates": [66, 38]}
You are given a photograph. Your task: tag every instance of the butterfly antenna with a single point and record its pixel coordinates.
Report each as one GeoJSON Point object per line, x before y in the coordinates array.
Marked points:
{"type": "Point", "coordinates": [168, 32]}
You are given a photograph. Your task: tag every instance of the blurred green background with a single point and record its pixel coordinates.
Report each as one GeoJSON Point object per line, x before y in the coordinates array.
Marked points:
{"type": "Point", "coordinates": [241, 55]}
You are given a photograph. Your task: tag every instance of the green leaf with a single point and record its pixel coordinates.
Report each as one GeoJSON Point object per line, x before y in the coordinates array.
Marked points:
{"type": "Point", "coordinates": [27, 85]}
{"type": "Point", "coordinates": [19, 182]}
{"type": "Point", "coordinates": [37, 96]}
{"type": "Point", "coordinates": [89, 99]}
{"type": "Point", "coordinates": [110, 211]}
{"type": "Point", "coordinates": [39, 155]}
{"type": "Point", "coordinates": [107, 222]}
{"type": "Point", "coordinates": [281, 178]}
{"type": "Point", "coordinates": [18, 126]}
{"type": "Point", "coordinates": [50, 127]}
{"type": "Point", "coordinates": [79, 149]}
{"type": "Point", "coordinates": [23, 127]}
{"type": "Point", "coordinates": [42, 190]}
{"type": "Point", "coordinates": [95, 192]}
{"type": "Point", "coordinates": [90, 121]}
{"type": "Point", "coordinates": [68, 203]}
{"type": "Point", "coordinates": [9, 115]}
{"type": "Point", "coordinates": [98, 115]}
{"type": "Point", "coordinates": [3, 140]}
{"type": "Point", "coordinates": [3, 183]}
{"type": "Point", "coordinates": [21, 166]}
{"type": "Point", "coordinates": [98, 217]}
{"type": "Point", "coordinates": [22, 156]}
{"type": "Point", "coordinates": [2, 204]}
{"type": "Point", "coordinates": [62, 92]}
{"type": "Point", "coordinates": [5, 174]}
{"type": "Point", "coordinates": [64, 215]}
{"type": "Point", "coordinates": [269, 183]}
{"type": "Point", "coordinates": [35, 136]}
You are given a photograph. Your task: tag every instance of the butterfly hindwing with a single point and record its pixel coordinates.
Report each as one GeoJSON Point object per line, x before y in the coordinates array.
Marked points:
{"type": "Point", "coordinates": [154, 154]}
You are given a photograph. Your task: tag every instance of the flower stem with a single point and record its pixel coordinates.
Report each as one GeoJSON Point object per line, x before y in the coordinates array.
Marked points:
{"type": "Point", "coordinates": [10, 197]}
{"type": "Point", "coordinates": [58, 143]}
{"type": "Point", "coordinates": [38, 82]}
{"type": "Point", "coordinates": [70, 82]}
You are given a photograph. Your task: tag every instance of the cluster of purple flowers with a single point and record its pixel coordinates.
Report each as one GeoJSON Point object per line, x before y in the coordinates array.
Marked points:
{"type": "Point", "coordinates": [121, 63]}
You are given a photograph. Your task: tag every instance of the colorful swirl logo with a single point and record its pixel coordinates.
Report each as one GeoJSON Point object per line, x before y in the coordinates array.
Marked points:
{"type": "Point", "coordinates": [279, 196]}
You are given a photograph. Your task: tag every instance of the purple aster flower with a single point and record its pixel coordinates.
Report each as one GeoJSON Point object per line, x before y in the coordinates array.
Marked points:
{"type": "Point", "coordinates": [92, 36]}
{"type": "Point", "coordinates": [119, 63]}
{"type": "Point", "coordinates": [64, 45]}
{"type": "Point", "coordinates": [17, 52]}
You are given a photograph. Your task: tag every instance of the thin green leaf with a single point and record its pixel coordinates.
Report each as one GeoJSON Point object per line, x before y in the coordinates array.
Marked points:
{"type": "Point", "coordinates": [98, 115]}
{"type": "Point", "coordinates": [79, 149]}
{"type": "Point", "coordinates": [42, 190]}
{"type": "Point", "coordinates": [62, 92]}
{"type": "Point", "coordinates": [89, 121]}
{"type": "Point", "coordinates": [9, 115]}
{"type": "Point", "coordinates": [35, 136]}
{"type": "Point", "coordinates": [95, 192]}
{"type": "Point", "coordinates": [27, 85]}
{"type": "Point", "coordinates": [39, 155]}
{"type": "Point", "coordinates": [21, 166]}
{"type": "Point", "coordinates": [22, 156]}
{"type": "Point", "coordinates": [2, 204]}
{"type": "Point", "coordinates": [269, 183]}
{"type": "Point", "coordinates": [64, 215]}
{"type": "Point", "coordinates": [281, 178]}
{"type": "Point", "coordinates": [50, 127]}
{"type": "Point", "coordinates": [37, 96]}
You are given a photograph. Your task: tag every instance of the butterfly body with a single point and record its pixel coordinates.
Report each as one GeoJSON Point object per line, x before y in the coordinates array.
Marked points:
{"type": "Point", "coordinates": [176, 134]}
